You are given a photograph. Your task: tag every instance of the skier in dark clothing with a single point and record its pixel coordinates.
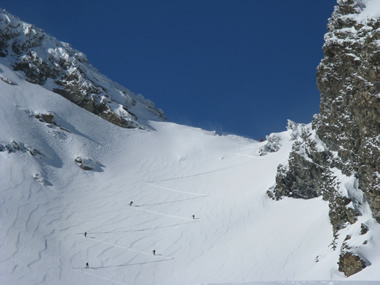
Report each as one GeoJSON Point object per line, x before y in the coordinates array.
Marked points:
{"type": "Point", "coordinates": [130, 204]}
{"type": "Point", "coordinates": [86, 264]}
{"type": "Point", "coordinates": [154, 252]}
{"type": "Point", "coordinates": [85, 234]}
{"type": "Point", "coordinates": [193, 217]}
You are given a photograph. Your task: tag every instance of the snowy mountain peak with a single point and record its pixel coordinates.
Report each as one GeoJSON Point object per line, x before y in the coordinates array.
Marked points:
{"type": "Point", "coordinates": [55, 65]}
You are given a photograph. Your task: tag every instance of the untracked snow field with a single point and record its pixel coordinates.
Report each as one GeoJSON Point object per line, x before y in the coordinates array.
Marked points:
{"type": "Point", "coordinates": [198, 200]}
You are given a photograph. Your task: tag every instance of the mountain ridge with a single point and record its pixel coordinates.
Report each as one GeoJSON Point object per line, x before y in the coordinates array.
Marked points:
{"type": "Point", "coordinates": [57, 66]}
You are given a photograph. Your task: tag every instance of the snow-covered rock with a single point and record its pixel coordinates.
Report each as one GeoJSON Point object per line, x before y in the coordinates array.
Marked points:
{"type": "Point", "coordinates": [338, 156]}
{"type": "Point", "coordinates": [44, 60]}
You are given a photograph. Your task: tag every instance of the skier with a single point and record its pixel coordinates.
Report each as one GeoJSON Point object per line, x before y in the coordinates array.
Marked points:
{"type": "Point", "coordinates": [130, 204]}
{"type": "Point", "coordinates": [85, 234]}
{"type": "Point", "coordinates": [86, 264]}
{"type": "Point", "coordinates": [193, 217]}
{"type": "Point", "coordinates": [154, 252]}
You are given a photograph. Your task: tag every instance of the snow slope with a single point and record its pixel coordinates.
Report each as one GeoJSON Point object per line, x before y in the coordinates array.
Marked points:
{"type": "Point", "coordinates": [238, 235]}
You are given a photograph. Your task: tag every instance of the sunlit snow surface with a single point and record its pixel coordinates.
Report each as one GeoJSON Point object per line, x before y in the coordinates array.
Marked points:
{"type": "Point", "coordinates": [237, 235]}
{"type": "Point", "coordinates": [370, 10]}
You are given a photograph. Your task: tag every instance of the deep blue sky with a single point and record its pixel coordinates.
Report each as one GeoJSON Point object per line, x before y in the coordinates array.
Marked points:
{"type": "Point", "coordinates": [235, 66]}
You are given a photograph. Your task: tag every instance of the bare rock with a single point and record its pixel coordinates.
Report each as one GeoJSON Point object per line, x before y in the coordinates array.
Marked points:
{"type": "Point", "coordinates": [350, 263]}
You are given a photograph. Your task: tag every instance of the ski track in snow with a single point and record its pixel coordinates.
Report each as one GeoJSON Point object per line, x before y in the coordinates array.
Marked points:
{"type": "Point", "coordinates": [126, 248]}
{"type": "Point", "coordinates": [174, 190]}
{"type": "Point", "coordinates": [101, 277]}
{"type": "Point", "coordinates": [170, 174]}
{"type": "Point", "coordinates": [143, 208]}
{"type": "Point", "coordinates": [166, 215]}
{"type": "Point", "coordinates": [203, 173]}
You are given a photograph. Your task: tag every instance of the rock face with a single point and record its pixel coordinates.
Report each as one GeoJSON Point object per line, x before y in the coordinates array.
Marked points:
{"type": "Point", "coordinates": [349, 81]}
{"type": "Point", "coordinates": [58, 67]}
{"type": "Point", "coordinates": [343, 142]}
{"type": "Point", "coordinates": [350, 263]}
{"type": "Point", "coordinates": [311, 172]}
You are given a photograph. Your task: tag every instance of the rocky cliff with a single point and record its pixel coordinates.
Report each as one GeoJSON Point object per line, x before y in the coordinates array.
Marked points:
{"type": "Point", "coordinates": [337, 157]}
{"type": "Point", "coordinates": [44, 60]}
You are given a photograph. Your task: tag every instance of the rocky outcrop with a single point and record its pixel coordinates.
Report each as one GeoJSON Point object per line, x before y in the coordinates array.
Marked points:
{"type": "Point", "coordinates": [48, 119]}
{"type": "Point", "coordinates": [301, 177]}
{"type": "Point", "coordinates": [349, 80]}
{"type": "Point", "coordinates": [40, 179]}
{"type": "Point", "coordinates": [58, 67]}
{"type": "Point", "coordinates": [348, 125]}
{"type": "Point", "coordinates": [88, 164]}
{"type": "Point", "coordinates": [350, 263]}
{"type": "Point", "coordinates": [272, 145]}
{"type": "Point", "coordinates": [308, 174]}
{"type": "Point", "coordinates": [6, 80]}
{"type": "Point", "coordinates": [343, 141]}
{"type": "Point", "coordinates": [15, 146]}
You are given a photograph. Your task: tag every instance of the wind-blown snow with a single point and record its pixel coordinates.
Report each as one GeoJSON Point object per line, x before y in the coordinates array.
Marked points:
{"type": "Point", "coordinates": [237, 235]}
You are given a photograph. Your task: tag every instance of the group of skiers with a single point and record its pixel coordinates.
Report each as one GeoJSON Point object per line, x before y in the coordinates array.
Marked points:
{"type": "Point", "coordinates": [153, 251]}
